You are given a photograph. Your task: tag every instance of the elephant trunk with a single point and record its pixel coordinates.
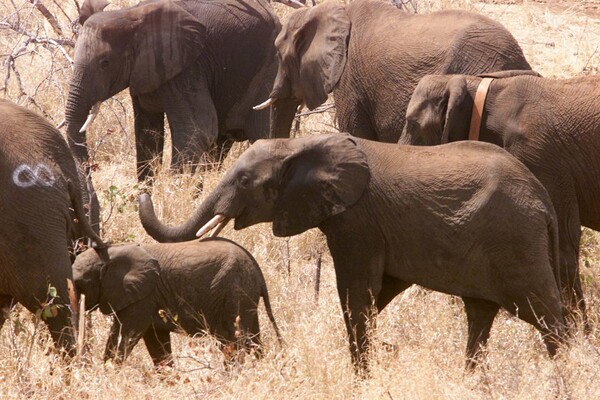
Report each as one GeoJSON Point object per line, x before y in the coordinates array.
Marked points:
{"type": "Point", "coordinates": [283, 111]}
{"type": "Point", "coordinates": [186, 231]}
{"type": "Point", "coordinates": [76, 112]}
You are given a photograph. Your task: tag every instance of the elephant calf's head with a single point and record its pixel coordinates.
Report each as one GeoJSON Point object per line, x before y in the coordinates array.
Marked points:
{"type": "Point", "coordinates": [129, 276]}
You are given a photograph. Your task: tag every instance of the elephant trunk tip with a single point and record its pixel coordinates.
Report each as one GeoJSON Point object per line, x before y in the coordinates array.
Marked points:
{"type": "Point", "coordinates": [144, 198]}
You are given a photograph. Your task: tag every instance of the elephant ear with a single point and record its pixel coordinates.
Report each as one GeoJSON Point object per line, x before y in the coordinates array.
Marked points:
{"type": "Point", "coordinates": [90, 7]}
{"type": "Point", "coordinates": [321, 46]}
{"type": "Point", "coordinates": [130, 276]}
{"type": "Point", "coordinates": [457, 118]}
{"type": "Point", "coordinates": [167, 40]}
{"type": "Point", "coordinates": [323, 178]}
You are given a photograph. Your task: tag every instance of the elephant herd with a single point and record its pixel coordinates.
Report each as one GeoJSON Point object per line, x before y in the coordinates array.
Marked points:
{"type": "Point", "coordinates": [494, 218]}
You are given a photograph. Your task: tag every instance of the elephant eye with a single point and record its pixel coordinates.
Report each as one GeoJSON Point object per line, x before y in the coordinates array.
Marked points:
{"type": "Point", "coordinates": [244, 181]}
{"type": "Point", "coordinates": [103, 64]}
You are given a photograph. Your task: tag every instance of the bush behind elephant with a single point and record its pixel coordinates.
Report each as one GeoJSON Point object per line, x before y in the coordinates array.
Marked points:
{"type": "Point", "coordinates": [465, 219]}
{"type": "Point", "coordinates": [41, 214]}
{"type": "Point", "coordinates": [550, 125]}
{"type": "Point", "coordinates": [371, 55]}
{"type": "Point", "coordinates": [210, 286]}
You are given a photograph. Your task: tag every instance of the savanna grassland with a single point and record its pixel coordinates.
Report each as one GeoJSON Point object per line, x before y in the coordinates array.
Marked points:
{"type": "Point", "coordinates": [428, 329]}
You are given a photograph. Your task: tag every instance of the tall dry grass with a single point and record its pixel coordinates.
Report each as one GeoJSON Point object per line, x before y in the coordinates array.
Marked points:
{"type": "Point", "coordinates": [428, 329]}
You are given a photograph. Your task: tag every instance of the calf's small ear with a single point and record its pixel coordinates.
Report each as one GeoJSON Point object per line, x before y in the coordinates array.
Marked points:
{"type": "Point", "coordinates": [456, 113]}
{"type": "Point", "coordinates": [130, 276]}
{"type": "Point", "coordinates": [90, 7]}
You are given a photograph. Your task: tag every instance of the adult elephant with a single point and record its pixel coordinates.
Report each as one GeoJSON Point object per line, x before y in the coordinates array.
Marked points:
{"type": "Point", "coordinates": [372, 55]}
{"type": "Point", "coordinates": [550, 125]}
{"type": "Point", "coordinates": [394, 216]}
{"type": "Point", "coordinates": [41, 212]}
{"type": "Point", "coordinates": [202, 63]}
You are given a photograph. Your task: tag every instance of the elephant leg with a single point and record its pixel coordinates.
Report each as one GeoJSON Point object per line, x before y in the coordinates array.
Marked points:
{"type": "Point", "coordinates": [569, 240]}
{"type": "Point", "coordinates": [480, 316]}
{"type": "Point", "coordinates": [545, 313]}
{"type": "Point", "coordinates": [357, 308]}
{"type": "Point", "coordinates": [149, 138]}
{"type": "Point", "coordinates": [129, 325]}
{"type": "Point", "coordinates": [390, 288]}
{"type": "Point", "coordinates": [193, 120]}
{"type": "Point", "coordinates": [158, 343]}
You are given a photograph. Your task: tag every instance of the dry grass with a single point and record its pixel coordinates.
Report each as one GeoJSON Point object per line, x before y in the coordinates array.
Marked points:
{"type": "Point", "coordinates": [429, 329]}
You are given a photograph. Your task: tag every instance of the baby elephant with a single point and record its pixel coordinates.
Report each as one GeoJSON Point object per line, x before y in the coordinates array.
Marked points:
{"type": "Point", "coordinates": [197, 287]}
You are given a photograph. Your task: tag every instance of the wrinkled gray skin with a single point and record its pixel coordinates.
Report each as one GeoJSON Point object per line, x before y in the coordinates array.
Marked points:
{"type": "Point", "coordinates": [202, 286]}
{"type": "Point", "coordinates": [371, 55]}
{"type": "Point", "coordinates": [464, 219]}
{"type": "Point", "coordinates": [41, 213]}
{"type": "Point", "coordinates": [549, 125]}
{"type": "Point", "coordinates": [203, 64]}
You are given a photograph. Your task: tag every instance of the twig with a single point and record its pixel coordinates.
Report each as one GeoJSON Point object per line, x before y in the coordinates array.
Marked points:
{"type": "Point", "coordinates": [48, 15]}
{"type": "Point", "coordinates": [318, 276]}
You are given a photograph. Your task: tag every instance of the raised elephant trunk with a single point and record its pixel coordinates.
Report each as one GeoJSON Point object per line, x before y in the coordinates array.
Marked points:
{"type": "Point", "coordinates": [186, 231]}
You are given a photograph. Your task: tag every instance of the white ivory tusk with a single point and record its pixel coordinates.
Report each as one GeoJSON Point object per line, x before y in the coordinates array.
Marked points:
{"type": "Point", "coordinates": [91, 117]}
{"type": "Point", "coordinates": [210, 224]}
{"type": "Point", "coordinates": [219, 227]}
{"type": "Point", "coordinates": [297, 3]}
{"type": "Point", "coordinates": [62, 123]}
{"type": "Point", "coordinates": [264, 104]}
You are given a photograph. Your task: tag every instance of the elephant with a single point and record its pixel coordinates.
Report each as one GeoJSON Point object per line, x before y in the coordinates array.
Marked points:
{"type": "Point", "coordinates": [202, 63]}
{"type": "Point", "coordinates": [547, 124]}
{"type": "Point", "coordinates": [153, 289]}
{"type": "Point", "coordinates": [394, 216]}
{"type": "Point", "coordinates": [371, 55]}
{"type": "Point", "coordinates": [41, 213]}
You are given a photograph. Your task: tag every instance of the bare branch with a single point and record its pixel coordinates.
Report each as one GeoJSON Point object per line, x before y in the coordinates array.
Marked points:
{"type": "Point", "coordinates": [48, 15]}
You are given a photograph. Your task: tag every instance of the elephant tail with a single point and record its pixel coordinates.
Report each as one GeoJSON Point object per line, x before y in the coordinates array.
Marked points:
{"type": "Point", "coordinates": [82, 220]}
{"type": "Point", "coordinates": [265, 296]}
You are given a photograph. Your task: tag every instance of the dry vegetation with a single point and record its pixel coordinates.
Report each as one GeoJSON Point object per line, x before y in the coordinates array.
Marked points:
{"type": "Point", "coordinates": [428, 328]}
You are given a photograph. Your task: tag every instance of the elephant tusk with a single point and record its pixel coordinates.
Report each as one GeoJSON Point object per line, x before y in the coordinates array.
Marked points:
{"type": "Point", "coordinates": [296, 4]}
{"type": "Point", "coordinates": [219, 227]}
{"type": "Point", "coordinates": [91, 117]}
{"type": "Point", "coordinates": [62, 123]}
{"type": "Point", "coordinates": [264, 104]}
{"type": "Point", "coordinates": [216, 220]}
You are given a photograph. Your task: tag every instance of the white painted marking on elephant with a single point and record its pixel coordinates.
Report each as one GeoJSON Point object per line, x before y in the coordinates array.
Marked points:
{"type": "Point", "coordinates": [26, 176]}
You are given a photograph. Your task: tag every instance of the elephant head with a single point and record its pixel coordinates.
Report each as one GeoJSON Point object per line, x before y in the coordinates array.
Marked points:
{"type": "Point", "coordinates": [126, 48]}
{"type": "Point", "coordinates": [312, 49]}
{"type": "Point", "coordinates": [295, 183]}
{"type": "Point", "coordinates": [129, 276]}
{"type": "Point", "coordinates": [440, 108]}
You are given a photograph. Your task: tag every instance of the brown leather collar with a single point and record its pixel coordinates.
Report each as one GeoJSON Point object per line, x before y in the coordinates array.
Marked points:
{"type": "Point", "coordinates": [478, 105]}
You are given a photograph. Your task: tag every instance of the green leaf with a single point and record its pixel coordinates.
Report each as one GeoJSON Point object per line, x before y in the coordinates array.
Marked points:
{"type": "Point", "coordinates": [52, 292]}
{"type": "Point", "coordinates": [47, 313]}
